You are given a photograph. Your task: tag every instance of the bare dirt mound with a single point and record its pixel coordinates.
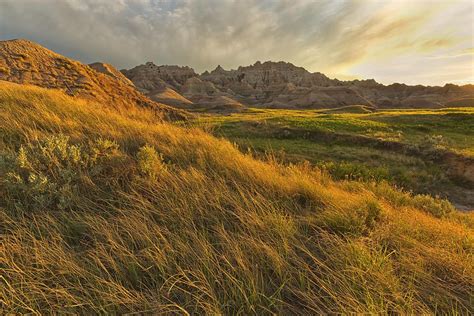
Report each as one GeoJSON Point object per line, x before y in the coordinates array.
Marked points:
{"type": "Point", "coordinates": [110, 70]}
{"type": "Point", "coordinates": [25, 62]}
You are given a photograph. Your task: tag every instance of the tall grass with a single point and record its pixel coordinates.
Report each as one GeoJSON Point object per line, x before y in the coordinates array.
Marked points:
{"type": "Point", "coordinates": [105, 211]}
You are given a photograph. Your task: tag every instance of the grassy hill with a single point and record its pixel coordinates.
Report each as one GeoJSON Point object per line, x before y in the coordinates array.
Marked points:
{"type": "Point", "coordinates": [107, 212]}
{"type": "Point", "coordinates": [425, 151]}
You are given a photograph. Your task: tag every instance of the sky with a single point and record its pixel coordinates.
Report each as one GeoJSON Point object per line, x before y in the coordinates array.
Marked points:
{"type": "Point", "coordinates": [427, 42]}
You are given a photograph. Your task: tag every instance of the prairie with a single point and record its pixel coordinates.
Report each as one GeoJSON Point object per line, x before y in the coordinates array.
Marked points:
{"type": "Point", "coordinates": [404, 147]}
{"type": "Point", "coordinates": [113, 211]}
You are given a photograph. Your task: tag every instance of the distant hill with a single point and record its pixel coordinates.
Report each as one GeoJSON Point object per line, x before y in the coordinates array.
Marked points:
{"type": "Point", "coordinates": [25, 62]}
{"type": "Point", "coordinates": [284, 85]}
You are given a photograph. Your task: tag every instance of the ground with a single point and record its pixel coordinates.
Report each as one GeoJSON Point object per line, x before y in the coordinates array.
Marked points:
{"type": "Point", "coordinates": [106, 211]}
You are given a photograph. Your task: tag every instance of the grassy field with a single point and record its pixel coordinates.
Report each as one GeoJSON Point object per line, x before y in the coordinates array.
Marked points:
{"type": "Point", "coordinates": [342, 143]}
{"type": "Point", "coordinates": [108, 211]}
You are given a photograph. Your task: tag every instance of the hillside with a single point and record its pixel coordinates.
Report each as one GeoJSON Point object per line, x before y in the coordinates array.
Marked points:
{"type": "Point", "coordinates": [25, 62]}
{"type": "Point", "coordinates": [105, 211]}
{"type": "Point", "coordinates": [284, 85]}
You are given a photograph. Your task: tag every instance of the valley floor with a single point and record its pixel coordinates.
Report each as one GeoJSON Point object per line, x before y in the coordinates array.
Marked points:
{"type": "Point", "coordinates": [412, 149]}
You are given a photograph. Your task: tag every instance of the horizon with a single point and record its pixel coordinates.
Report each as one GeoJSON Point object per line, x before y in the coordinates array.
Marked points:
{"type": "Point", "coordinates": [422, 43]}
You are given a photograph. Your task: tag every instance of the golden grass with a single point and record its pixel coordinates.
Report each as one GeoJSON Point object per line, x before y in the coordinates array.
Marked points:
{"type": "Point", "coordinates": [109, 212]}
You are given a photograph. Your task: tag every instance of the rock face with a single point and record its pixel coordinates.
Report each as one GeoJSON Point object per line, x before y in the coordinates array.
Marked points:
{"type": "Point", "coordinates": [161, 83]}
{"type": "Point", "coordinates": [182, 87]}
{"type": "Point", "coordinates": [205, 94]}
{"type": "Point", "coordinates": [25, 62]}
{"type": "Point", "coordinates": [283, 85]}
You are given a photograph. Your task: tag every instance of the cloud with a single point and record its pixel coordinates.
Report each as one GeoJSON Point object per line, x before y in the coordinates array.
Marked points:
{"type": "Point", "coordinates": [335, 37]}
{"type": "Point", "coordinates": [461, 53]}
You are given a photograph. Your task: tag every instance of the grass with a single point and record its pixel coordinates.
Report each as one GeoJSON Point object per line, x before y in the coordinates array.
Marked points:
{"type": "Point", "coordinates": [103, 211]}
{"type": "Point", "coordinates": [4, 70]}
{"type": "Point", "coordinates": [409, 126]}
{"type": "Point", "coordinates": [343, 143]}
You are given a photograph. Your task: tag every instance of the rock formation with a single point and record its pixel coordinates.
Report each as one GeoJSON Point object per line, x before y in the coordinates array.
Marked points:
{"type": "Point", "coordinates": [25, 62]}
{"type": "Point", "coordinates": [283, 85]}
{"type": "Point", "coordinates": [181, 86]}
{"type": "Point", "coordinates": [161, 83]}
{"type": "Point", "coordinates": [205, 94]}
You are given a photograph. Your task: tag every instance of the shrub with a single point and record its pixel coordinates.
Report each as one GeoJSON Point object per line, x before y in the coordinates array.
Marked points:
{"type": "Point", "coordinates": [53, 172]}
{"type": "Point", "coordinates": [150, 163]}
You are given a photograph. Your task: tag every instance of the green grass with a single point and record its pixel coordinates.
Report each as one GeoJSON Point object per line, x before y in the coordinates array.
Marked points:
{"type": "Point", "coordinates": [303, 135]}
{"type": "Point", "coordinates": [410, 126]}
{"type": "Point", "coordinates": [105, 211]}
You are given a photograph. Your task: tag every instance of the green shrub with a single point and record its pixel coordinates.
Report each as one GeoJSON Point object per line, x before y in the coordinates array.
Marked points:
{"type": "Point", "coordinates": [150, 163]}
{"type": "Point", "coordinates": [53, 172]}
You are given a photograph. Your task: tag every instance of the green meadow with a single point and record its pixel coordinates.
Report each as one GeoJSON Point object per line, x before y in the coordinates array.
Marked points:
{"type": "Point", "coordinates": [397, 146]}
